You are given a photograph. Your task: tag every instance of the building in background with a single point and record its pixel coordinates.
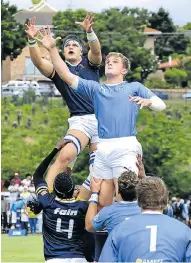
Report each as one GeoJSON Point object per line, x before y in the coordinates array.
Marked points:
{"type": "Point", "coordinates": [22, 67]}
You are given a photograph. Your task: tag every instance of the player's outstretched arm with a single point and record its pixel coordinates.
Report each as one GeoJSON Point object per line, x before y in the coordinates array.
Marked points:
{"type": "Point", "coordinates": [38, 176]}
{"type": "Point", "coordinates": [43, 65]}
{"type": "Point", "coordinates": [93, 206]}
{"type": "Point", "coordinates": [94, 54]}
{"type": "Point", "coordinates": [59, 65]}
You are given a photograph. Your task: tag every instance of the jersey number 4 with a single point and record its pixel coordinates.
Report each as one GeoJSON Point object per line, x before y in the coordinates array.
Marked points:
{"type": "Point", "coordinates": [153, 238]}
{"type": "Point", "coordinates": [69, 230]}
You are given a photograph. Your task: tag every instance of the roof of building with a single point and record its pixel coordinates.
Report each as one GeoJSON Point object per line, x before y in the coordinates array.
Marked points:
{"type": "Point", "coordinates": [42, 18]}
{"type": "Point", "coordinates": [43, 6]}
{"type": "Point", "coordinates": [170, 64]}
{"type": "Point", "coordinates": [151, 31]}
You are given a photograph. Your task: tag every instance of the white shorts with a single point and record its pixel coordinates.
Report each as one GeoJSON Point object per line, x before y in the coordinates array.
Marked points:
{"type": "Point", "coordinates": [114, 156]}
{"type": "Point", "coordinates": [87, 124]}
{"type": "Point", "coordinates": [66, 260]}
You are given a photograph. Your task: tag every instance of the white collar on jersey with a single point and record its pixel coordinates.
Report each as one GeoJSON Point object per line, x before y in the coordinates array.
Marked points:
{"type": "Point", "coordinates": [127, 202]}
{"type": "Point", "coordinates": [114, 84]}
{"type": "Point", "coordinates": [152, 212]}
{"type": "Point", "coordinates": [69, 200]}
{"type": "Point", "coordinates": [73, 65]}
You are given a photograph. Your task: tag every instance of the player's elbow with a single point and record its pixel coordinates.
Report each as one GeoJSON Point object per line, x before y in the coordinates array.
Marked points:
{"type": "Point", "coordinates": [89, 227]}
{"type": "Point", "coordinates": [157, 104]}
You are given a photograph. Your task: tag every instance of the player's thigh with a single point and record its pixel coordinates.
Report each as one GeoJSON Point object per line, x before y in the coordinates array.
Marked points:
{"type": "Point", "coordinates": [81, 136]}
{"type": "Point", "coordinates": [106, 192]}
{"type": "Point", "coordinates": [100, 169]}
{"type": "Point", "coordinates": [69, 152]}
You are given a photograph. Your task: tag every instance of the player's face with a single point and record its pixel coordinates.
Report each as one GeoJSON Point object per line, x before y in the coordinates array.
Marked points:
{"type": "Point", "coordinates": [114, 67]}
{"type": "Point", "coordinates": [72, 52]}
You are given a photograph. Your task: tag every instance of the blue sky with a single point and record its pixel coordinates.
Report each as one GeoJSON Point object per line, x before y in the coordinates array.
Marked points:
{"type": "Point", "coordinates": [180, 10]}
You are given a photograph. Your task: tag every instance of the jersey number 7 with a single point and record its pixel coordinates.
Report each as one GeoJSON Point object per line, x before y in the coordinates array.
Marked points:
{"type": "Point", "coordinates": [153, 238]}
{"type": "Point", "coordinates": [69, 230]}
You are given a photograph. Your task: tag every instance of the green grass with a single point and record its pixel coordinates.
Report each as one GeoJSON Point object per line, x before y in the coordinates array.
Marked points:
{"type": "Point", "coordinates": [22, 249]}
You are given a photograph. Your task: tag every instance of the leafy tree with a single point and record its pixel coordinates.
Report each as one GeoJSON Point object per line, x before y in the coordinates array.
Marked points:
{"type": "Point", "coordinates": [156, 83]}
{"type": "Point", "coordinates": [35, 2]}
{"type": "Point", "coordinates": [113, 35]}
{"type": "Point", "coordinates": [186, 64]}
{"type": "Point", "coordinates": [166, 45]}
{"type": "Point", "coordinates": [175, 76]}
{"type": "Point", "coordinates": [187, 26]}
{"type": "Point", "coordinates": [13, 38]}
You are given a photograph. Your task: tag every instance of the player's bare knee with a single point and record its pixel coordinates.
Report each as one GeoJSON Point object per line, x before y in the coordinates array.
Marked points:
{"type": "Point", "coordinates": [63, 159]}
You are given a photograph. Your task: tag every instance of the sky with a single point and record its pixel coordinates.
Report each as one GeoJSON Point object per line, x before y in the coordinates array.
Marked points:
{"type": "Point", "coordinates": [180, 10]}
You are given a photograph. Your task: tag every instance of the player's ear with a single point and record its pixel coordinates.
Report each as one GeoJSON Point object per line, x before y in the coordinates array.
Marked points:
{"type": "Point", "coordinates": [124, 71]}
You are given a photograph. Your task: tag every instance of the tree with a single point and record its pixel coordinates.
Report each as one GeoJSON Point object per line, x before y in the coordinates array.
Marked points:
{"type": "Point", "coordinates": [166, 45]}
{"type": "Point", "coordinates": [35, 2]}
{"type": "Point", "coordinates": [186, 64]}
{"type": "Point", "coordinates": [113, 35]}
{"type": "Point", "coordinates": [156, 83]}
{"type": "Point", "coordinates": [187, 26]}
{"type": "Point", "coordinates": [13, 38]}
{"type": "Point", "coordinates": [175, 76]}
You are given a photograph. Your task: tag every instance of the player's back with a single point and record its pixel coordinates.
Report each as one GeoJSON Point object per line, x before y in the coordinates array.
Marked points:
{"type": "Point", "coordinates": [152, 237]}
{"type": "Point", "coordinates": [110, 216]}
{"type": "Point", "coordinates": [63, 228]}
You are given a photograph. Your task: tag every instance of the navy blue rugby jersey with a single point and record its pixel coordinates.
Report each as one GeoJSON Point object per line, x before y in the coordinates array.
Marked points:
{"type": "Point", "coordinates": [78, 104]}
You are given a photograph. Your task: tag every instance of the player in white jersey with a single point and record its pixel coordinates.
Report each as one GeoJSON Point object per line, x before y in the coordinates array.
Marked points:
{"type": "Point", "coordinates": [116, 108]}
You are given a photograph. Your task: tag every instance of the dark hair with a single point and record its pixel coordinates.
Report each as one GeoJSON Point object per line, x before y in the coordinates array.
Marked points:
{"type": "Point", "coordinates": [26, 175]}
{"type": "Point", "coordinates": [152, 193]}
{"type": "Point", "coordinates": [63, 186]}
{"type": "Point", "coordinates": [127, 183]}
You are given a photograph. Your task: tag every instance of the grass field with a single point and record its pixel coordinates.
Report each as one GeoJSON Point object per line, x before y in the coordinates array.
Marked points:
{"type": "Point", "coordinates": [22, 249]}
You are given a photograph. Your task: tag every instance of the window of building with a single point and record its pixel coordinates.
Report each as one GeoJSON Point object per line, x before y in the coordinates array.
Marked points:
{"type": "Point", "coordinates": [30, 68]}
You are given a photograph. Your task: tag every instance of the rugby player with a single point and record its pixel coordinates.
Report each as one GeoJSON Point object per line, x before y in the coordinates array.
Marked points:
{"type": "Point", "coordinates": [110, 216]}
{"type": "Point", "coordinates": [116, 104]}
{"type": "Point", "coordinates": [150, 236]}
{"type": "Point", "coordinates": [63, 216]}
{"type": "Point", "coordinates": [82, 121]}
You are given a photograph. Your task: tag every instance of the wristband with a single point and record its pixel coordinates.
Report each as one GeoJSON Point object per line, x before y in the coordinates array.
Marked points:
{"type": "Point", "coordinates": [92, 37]}
{"type": "Point", "coordinates": [94, 198]}
{"type": "Point", "coordinates": [32, 43]}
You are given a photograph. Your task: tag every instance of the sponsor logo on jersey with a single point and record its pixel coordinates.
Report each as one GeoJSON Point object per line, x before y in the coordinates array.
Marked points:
{"type": "Point", "coordinates": [65, 212]}
{"type": "Point", "coordinates": [139, 260]}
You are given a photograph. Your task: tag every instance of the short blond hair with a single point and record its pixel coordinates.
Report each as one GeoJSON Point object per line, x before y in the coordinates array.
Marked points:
{"type": "Point", "coordinates": [125, 60]}
{"type": "Point", "coordinates": [152, 193]}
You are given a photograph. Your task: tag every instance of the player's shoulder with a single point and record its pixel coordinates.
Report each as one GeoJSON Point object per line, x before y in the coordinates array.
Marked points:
{"type": "Point", "coordinates": [175, 223]}
{"type": "Point", "coordinates": [135, 84]}
{"type": "Point", "coordinates": [107, 210]}
{"type": "Point", "coordinates": [87, 63]}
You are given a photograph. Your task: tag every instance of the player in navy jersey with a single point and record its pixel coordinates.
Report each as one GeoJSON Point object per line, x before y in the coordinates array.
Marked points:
{"type": "Point", "coordinates": [150, 236]}
{"type": "Point", "coordinates": [82, 121]}
{"type": "Point", "coordinates": [116, 105]}
{"type": "Point", "coordinates": [63, 216]}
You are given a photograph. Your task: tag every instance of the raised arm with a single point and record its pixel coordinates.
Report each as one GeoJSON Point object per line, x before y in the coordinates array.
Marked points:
{"type": "Point", "coordinates": [59, 65]}
{"type": "Point", "coordinates": [38, 176]}
{"type": "Point", "coordinates": [43, 65]}
{"type": "Point", "coordinates": [94, 54]}
{"type": "Point", "coordinates": [93, 206]}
